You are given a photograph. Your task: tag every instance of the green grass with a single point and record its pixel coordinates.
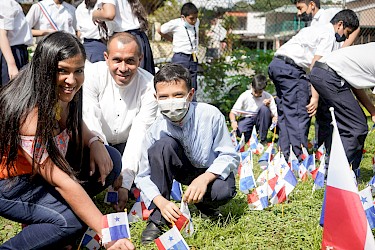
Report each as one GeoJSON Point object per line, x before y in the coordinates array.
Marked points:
{"type": "Point", "coordinates": [292, 225]}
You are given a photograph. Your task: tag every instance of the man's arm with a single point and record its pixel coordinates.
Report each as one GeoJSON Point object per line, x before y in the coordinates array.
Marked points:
{"type": "Point", "coordinates": [7, 52]}
{"type": "Point", "coordinates": [351, 38]}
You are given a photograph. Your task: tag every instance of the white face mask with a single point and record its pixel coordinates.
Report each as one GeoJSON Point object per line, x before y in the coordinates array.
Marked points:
{"type": "Point", "coordinates": [174, 108]}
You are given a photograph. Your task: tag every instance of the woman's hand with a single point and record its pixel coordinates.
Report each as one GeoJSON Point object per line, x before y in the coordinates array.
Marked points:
{"type": "Point", "coordinates": [99, 156]}
{"type": "Point", "coordinates": [122, 244]}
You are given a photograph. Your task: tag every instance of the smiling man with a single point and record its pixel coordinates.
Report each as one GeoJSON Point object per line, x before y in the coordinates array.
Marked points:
{"type": "Point", "coordinates": [119, 104]}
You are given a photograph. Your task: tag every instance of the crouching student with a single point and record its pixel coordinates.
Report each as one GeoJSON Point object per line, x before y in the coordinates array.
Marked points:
{"type": "Point", "coordinates": [256, 107]}
{"type": "Point", "coordinates": [190, 143]}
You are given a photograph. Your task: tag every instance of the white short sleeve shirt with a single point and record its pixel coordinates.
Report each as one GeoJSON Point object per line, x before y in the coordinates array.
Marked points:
{"type": "Point", "coordinates": [181, 34]}
{"type": "Point", "coordinates": [354, 64]}
{"type": "Point", "coordinates": [63, 16]}
{"type": "Point", "coordinates": [12, 19]}
{"type": "Point", "coordinates": [310, 41]}
{"type": "Point", "coordinates": [84, 22]}
{"type": "Point", "coordinates": [324, 16]}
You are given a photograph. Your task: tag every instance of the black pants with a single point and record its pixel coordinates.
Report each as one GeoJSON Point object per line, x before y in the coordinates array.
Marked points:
{"type": "Point", "coordinates": [168, 161]}
{"type": "Point", "coordinates": [21, 58]}
{"type": "Point", "coordinates": [262, 122]}
{"type": "Point", "coordinates": [351, 121]}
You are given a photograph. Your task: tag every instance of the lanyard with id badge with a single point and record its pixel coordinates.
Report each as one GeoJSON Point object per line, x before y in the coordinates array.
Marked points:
{"type": "Point", "coordinates": [194, 54]}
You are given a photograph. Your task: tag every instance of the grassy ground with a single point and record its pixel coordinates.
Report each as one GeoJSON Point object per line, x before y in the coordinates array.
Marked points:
{"type": "Point", "coordinates": [292, 225]}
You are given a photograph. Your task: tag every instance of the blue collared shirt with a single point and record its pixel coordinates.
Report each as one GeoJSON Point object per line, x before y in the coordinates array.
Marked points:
{"type": "Point", "coordinates": [205, 138]}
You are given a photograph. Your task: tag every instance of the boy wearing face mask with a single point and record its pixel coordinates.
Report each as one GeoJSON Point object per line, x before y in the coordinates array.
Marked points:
{"type": "Point", "coordinates": [288, 72]}
{"type": "Point", "coordinates": [256, 107]}
{"type": "Point", "coordinates": [190, 143]}
{"type": "Point", "coordinates": [183, 32]}
{"type": "Point", "coordinates": [310, 12]}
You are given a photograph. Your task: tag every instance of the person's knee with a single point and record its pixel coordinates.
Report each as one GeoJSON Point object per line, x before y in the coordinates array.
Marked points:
{"type": "Point", "coordinates": [116, 160]}
{"type": "Point", "coordinates": [165, 143]}
{"type": "Point", "coordinates": [225, 190]}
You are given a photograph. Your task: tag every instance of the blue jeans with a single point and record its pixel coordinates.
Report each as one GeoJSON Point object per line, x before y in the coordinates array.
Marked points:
{"type": "Point", "coordinates": [52, 223]}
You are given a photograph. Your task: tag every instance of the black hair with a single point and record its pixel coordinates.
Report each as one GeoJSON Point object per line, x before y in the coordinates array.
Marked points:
{"type": "Point", "coordinates": [317, 2]}
{"type": "Point", "coordinates": [188, 9]}
{"type": "Point", "coordinates": [348, 17]}
{"type": "Point", "coordinates": [35, 87]}
{"type": "Point", "coordinates": [90, 4]}
{"type": "Point", "coordinates": [125, 38]}
{"type": "Point", "coordinates": [259, 82]}
{"type": "Point", "coordinates": [140, 12]}
{"type": "Point", "coordinates": [172, 72]}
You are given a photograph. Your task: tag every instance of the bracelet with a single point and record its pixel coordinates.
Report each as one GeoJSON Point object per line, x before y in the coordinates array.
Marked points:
{"type": "Point", "coordinates": [94, 139]}
{"type": "Point", "coordinates": [233, 121]}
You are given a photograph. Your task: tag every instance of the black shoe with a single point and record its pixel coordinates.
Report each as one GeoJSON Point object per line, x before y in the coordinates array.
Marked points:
{"type": "Point", "coordinates": [151, 232]}
{"type": "Point", "coordinates": [209, 213]}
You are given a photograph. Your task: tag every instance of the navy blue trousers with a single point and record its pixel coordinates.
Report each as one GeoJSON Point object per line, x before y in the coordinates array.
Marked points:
{"type": "Point", "coordinates": [262, 122]}
{"type": "Point", "coordinates": [293, 92]}
{"type": "Point", "coordinates": [168, 161]}
{"type": "Point", "coordinates": [52, 223]}
{"type": "Point", "coordinates": [94, 49]}
{"type": "Point", "coordinates": [21, 57]}
{"type": "Point", "coordinates": [351, 121]}
{"type": "Point", "coordinates": [186, 60]}
{"type": "Point", "coordinates": [148, 59]}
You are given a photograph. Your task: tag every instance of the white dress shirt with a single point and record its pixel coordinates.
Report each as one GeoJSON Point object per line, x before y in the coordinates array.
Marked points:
{"type": "Point", "coordinates": [324, 16]}
{"type": "Point", "coordinates": [317, 40]}
{"type": "Point", "coordinates": [84, 22]}
{"type": "Point", "coordinates": [204, 136]}
{"type": "Point", "coordinates": [124, 19]}
{"type": "Point", "coordinates": [356, 64]}
{"type": "Point", "coordinates": [181, 35]}
{"type": "Point", "coordinates": [12, 19]}
{"type": "Point", "coordinates": [63, 16]}
{"type": "Point", "coordinates": [248, 105]}
{"type": "Point", "coordinates": [119, 114]}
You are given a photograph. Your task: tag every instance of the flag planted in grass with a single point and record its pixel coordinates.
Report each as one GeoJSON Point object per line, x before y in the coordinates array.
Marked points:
{"type": "Point", "coordinates": [172, 239]}
{"type": "Point", "coordinates": [258, 199]}
{"type": "Point", "coordinates": [368, 205]}
{"type": "Point", "coordinates": [247, 180]}
{"type": "Point", "coordinates": [115, 226]}
{"type": "Point", "coordinates": [90, 240]}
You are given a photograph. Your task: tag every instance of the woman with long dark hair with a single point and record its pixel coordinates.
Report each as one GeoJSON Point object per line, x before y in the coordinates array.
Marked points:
{"type": "Point", "coordinates": [41, 143]}
{"type": "Point", "coordinates": [128, 16]}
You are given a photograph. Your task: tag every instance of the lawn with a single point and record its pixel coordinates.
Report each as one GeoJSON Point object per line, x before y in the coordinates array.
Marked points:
{"type": "Point", "coordinates": [292, 225]}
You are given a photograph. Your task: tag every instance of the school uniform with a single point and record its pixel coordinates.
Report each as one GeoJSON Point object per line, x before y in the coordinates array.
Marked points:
{"type": "Point", "coordinates": [333, 77]}
{"type": "Point", "coordinates": [92, 42]}
{"type": "Point", "coordinates": [184, 150]}
{"type": "Point", "coordinates": [12, 19]}
{"type": "Point", "coordinates": [324, 16]}
{"type": "Point", "coordinates": [47, 15]}
{"type": "Point", "coordinates": [254, 112]}
{"type": "Point", "coordinates": [287, 71]}
{"type": "Point", "coordinates": [126, 21]}
{"type": "Point", "coordinates": [185, 45]}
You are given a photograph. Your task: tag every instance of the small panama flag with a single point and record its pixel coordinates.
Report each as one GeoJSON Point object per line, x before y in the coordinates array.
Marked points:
{"type": "Point", "coordinates": [90, 240]}
{"type": "Point", "coordinates": [172, 239]}
{"type": "Point", "coordinates": [189, 227]}
{"type": "Point", "coordinates": [115, 226]}
{"type": "Point", "coordinates": [111, 197]}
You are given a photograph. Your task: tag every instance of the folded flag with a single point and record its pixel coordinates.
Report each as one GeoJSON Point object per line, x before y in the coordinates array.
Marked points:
{"type": "Point", "coordinates": [176, 192]}
{"type": "Point", "coordinates": [368, 205]}
{"type": "Point", "coordinates": [189, 228]}
{"type": "Point", "coordinates": [320, 152]}
{"type": "Point", "coordinates": [247, 180]}
{"type": "Point", "coordinates": [319, 174]}
{"type": "Point", "coordinates": [293, 161]}
{"type": "Point", "coordinates": [111, 196]}
{"type": "Point", "coordinates": [345, 222]}
{"type": "Point", "coordinates": [90, 240]}
{"type": "Point", "coordinates": [304, 154]}
{"type": "Point", "coordinates": [258, 199]}
{"type": "Point", "coordinates": [172, 239]}
{"type": "Point", "coordinates": [241, 145]}
{"type": "Point", "coordinates": [233, 137]}
{"type": "Point", "coordinates": [266, 157]}
{"type": "Point", "coordinates": [115, 226]}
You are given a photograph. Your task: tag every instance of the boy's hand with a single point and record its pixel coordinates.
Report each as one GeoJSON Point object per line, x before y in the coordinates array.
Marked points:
{"type": "Point", "coordinates": [267, 102]}
{"type": "Point", "coordinates": [312, 106]}
{"type": "Point", "coordinates": [168, 209]}
{"type": "Point", "coordinates": [234, 125]}
{"type": "Point", "coordinates": [198, 187]}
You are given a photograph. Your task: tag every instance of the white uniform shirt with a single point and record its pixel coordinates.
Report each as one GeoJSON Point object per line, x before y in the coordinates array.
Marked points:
{"type": "Point", "coordinates": [324, 16]}
{"type": "Point", "coordinates": [308, 42]}
{"type": "Point", "coordinates": [84, 22]}
{"type": "Point", "coordinates": [124, 19]}
{"type": "Point", "coordinates": [216, 34]}
{"type": "Point", "coordinates": [355, 64]}
{"type": "Point", "coordinates": [119, 113]}
{"type": "Point", "coordinates": [181, 35]}
{"type": "Point", "coordinates": [64, 16]}
{"type": "Point", "coordinates": [12, 19]}
{"type": "Point", "coordinates": [248, 105]}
